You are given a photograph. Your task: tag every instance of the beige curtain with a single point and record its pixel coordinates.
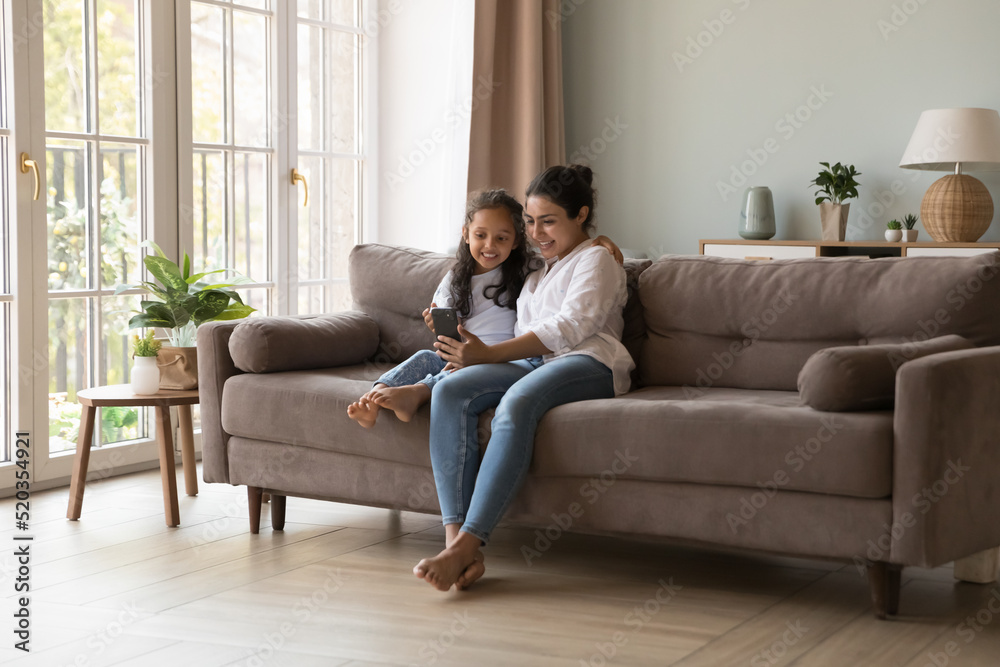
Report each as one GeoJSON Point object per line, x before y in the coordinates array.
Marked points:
{"type": "Point", "coordinates": [517, 126]}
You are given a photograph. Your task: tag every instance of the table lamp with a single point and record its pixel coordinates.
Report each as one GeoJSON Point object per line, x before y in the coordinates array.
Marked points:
{"type": "Point", "coordinates": [956, 208]}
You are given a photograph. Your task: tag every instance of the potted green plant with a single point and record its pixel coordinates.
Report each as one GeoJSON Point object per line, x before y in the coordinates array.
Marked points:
{"type": "Point", "coordinates": [836, 184]}
{"type": "Point", "coordinates": [909, 233]}
{"type": "Point", "coordinates": [892, 231]}
{"type": "Point", "coordinates": [145, 374]}
{"type": "Point", "coordinates": [183, 302]}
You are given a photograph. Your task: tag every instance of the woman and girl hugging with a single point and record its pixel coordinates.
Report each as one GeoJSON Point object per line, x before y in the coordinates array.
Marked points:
{"type": "Point", "coordinates": [536, 335]}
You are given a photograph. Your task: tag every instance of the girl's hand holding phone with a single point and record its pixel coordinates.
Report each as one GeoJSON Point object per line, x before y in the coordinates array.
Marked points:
{"type": "Point", "coordinates": [468, 353]}
{"type": "Point", "coordinates": [428, 320]}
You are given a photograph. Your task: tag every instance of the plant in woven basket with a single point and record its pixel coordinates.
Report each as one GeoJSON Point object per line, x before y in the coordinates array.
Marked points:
{"type": "Point", "coordinates": [147, 346]}
{"type": "Point", "coordinates": [836, 183]}
{"type": "Point", "coordinates": [909, 220]}
{"type": "Point", "coordinates": [184, 300]}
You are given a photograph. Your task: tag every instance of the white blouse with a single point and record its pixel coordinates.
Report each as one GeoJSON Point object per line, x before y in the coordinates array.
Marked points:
{"type": "Point", "coordinates": [574, 305]}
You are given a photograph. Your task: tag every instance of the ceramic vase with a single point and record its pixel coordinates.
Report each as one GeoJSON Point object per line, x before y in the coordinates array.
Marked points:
{"type": "Point", "coordinates": [893, 235]}
{"type": "Point", "coordinates": [145, 376]}
{"type": "Point", "coordinates": [757, 214]}
{"type": "Point", "coordinates": [910, 235]}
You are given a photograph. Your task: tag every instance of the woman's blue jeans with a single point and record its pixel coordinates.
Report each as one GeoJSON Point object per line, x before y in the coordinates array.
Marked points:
{"type": "Point", "coordinates": [475, 494]}
{"type": "Point", "coordinates": [424, 367]}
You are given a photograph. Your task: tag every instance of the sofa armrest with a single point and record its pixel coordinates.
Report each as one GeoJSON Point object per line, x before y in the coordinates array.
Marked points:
{"type": "Point", "coordinates": [946, 457]}
{"type": "Point", "coordinates": [215, 366]}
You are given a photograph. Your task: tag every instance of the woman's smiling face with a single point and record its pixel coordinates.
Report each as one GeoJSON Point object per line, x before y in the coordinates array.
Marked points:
{"type": "Point", "coordinates": [552, 230]}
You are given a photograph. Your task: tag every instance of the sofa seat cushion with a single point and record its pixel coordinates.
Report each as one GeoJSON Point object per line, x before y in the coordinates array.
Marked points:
{"type": "Point", "coordinates": [758, 439]}
{"type": "Point", "coordinates": [309, 408]}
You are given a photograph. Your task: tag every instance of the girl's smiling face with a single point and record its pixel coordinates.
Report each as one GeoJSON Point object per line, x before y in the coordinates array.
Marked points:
{"type": "Point", "coordinates": [552, 230]}
{"type": "Point", "coordinates": [491, 238]}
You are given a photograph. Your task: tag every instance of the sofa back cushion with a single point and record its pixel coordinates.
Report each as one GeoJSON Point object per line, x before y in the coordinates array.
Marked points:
{"type": "Point", "coordinates": [714, 322]}
{"type": "Point", "coordinates": [394, 284]}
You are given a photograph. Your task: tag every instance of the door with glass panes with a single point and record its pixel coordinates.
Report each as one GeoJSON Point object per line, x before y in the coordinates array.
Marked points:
{"type": "Point", "coordinates": [188, 141]}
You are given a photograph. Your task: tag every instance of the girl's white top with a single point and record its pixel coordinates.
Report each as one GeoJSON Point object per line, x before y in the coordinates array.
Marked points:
{"type": "Point", "coordinates": [489, 322]}
{"type": "Point", "coordinates": [574, 305]}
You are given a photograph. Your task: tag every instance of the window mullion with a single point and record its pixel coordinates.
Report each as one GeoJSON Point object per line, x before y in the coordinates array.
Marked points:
{"type": "Point", "coordinates": [284, 135]}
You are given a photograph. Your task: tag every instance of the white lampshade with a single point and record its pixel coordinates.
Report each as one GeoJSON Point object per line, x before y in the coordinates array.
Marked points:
{"type": "Point", "coordinates": [946, 137]}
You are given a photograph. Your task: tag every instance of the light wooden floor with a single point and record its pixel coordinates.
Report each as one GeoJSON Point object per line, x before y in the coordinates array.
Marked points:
{"type": "Point", "coordinates": [120, 588]}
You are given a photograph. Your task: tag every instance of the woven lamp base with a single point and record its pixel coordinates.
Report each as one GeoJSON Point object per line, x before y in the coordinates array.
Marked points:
{"type": "Point", "coordinates": [957, 209]}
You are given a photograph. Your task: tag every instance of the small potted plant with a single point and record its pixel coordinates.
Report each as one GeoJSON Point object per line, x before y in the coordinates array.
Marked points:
{"type": "Point", "coordinates": [836, 184]}
{"type": "Point", "coordinates": [183, 302]}
{"type": "Point", "coordinates": [909, 233]}
{"type": "Point", "coordinates": [145, 373]}
{"type": "Point", "coordinates": [892, 231]}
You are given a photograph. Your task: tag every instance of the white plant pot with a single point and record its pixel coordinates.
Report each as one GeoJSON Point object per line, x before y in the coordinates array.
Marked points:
{"type": "Point", "coordinates": [145, 376]}
{"type": "Point", "coordinates": [893, 235]}
{"type": "Point", "coordinates": [910, 235]}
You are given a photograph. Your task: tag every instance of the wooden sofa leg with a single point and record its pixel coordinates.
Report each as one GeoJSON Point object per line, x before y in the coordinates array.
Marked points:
{"type": "Point", "coordinates": [278, 512]}
{"type": "Point", "coordinates": [253, 500]}
{"type": "Point", "coordinates": [979, 568]}
{"type": "Point", "coordinates": [892, 590]}
{"type": "Point", "coordinates": [883, 582]}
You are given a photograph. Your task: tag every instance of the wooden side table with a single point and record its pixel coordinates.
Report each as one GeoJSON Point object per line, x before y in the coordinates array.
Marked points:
{"type": "Point", "coordinates": [121, 395]}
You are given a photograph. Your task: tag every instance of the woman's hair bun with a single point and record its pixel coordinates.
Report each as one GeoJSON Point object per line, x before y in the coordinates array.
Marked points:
{"type": "Point", "coordinates": [585, 172]}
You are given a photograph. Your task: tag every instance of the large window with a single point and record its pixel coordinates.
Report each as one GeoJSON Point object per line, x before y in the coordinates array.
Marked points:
{"type": "Point", "coordinates": [95, 142]}
{"type": "Point", "coordinates": [180, 122]}
{"type": "Point", "coordinates": [329, 113]}
{"type": "Point", "coordinates": [251, 125]}
{"type": "Point", "coordinates": [232, 46]}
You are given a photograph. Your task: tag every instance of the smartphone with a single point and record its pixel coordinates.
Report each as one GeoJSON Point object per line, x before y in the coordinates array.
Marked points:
{"type": "Point", "coordinates": [445, 322]}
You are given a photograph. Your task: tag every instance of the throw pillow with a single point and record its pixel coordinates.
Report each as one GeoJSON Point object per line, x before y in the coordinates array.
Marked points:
{"type": "Point", "coordinates": [863, 377]}
{"type": "Point", "coordinates": [272, 344]}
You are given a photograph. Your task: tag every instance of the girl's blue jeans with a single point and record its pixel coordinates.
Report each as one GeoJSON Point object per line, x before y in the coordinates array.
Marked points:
{"type": "Point", "coordinates": [475, 494]}
{"type": "Point", "coordinates": [424, 367]}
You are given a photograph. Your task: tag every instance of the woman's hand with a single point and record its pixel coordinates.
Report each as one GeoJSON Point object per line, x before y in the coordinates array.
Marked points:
{"type": "Point", "coordinates": [428, 320]}
{"type": "Point", "coordinates": [611, 247]}
{"type": "Point", "coordinates": [468, 353]}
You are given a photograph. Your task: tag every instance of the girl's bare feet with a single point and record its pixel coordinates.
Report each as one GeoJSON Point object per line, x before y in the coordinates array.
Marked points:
{"type": "Point", "coordinates": [404, 401]}
{"type": "Point", "coordinates": [364, 410]}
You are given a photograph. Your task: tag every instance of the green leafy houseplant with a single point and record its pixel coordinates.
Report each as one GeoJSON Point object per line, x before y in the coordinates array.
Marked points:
{"type": "Point", "coordinates": [146, 346]}
{"type": "Point", "coordinates": [185, 300]}
{"type": "Point", "coordinates": [909, 220]}
{"type": "Point", "coordinates": [894, 224]}
{"type": "Point", "coordinates": [836, 183]}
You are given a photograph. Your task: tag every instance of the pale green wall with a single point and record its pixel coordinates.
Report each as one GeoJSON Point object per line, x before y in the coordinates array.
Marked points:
{"type": "Point", "coordinates": [686, 129]}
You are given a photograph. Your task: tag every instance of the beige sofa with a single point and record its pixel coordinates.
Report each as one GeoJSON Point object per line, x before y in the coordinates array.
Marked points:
{"type": "Point", "coordinates": [714, 444]}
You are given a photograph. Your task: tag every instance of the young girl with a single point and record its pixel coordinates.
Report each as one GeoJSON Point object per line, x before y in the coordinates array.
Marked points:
{"type": "Point", "coordinates": [567, 348]}
{"type": "Point", "coordinates": [492, 261]}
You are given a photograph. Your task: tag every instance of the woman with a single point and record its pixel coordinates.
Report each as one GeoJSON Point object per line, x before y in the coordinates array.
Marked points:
{"type": "Point", "coordinates": [566, 348]}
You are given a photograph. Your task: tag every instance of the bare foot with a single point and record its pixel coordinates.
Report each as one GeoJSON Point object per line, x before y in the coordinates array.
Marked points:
{"type": "Point", "coordinates": [364, 410]}
{"type": "Point", "coordinates": [404, 401]}
{"type": "Point", "coordinates": [472, 573]}
{"type": "Point", "coordinates": [443, 570]}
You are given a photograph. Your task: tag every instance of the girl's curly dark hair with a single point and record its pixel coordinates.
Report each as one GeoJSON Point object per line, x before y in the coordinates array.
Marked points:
{"type": "Point", "coordinates": [512, 271]}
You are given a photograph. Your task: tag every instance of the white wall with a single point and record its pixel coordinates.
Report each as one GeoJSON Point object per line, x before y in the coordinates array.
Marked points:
{"type": "Point", "coordinates": [682, 129]}
{"type": "Point", "coordinates": [424, 81]}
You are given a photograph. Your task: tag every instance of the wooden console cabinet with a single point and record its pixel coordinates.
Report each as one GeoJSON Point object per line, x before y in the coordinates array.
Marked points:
{"type": "Point", "coordinates": [742, 249]}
